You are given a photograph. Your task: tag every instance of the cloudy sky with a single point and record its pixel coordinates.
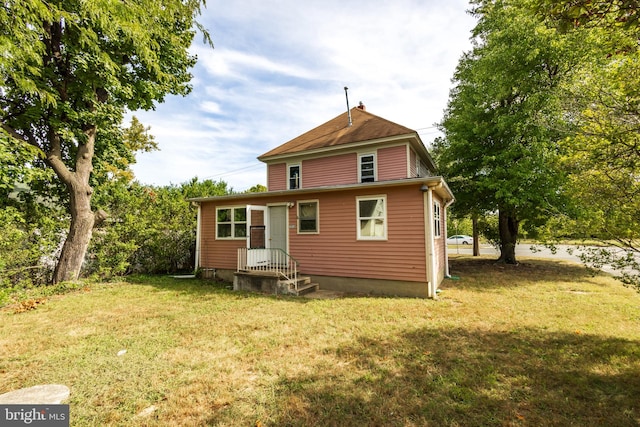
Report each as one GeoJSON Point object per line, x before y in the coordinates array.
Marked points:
{"type": "Point", "coordinates": [279, 68]}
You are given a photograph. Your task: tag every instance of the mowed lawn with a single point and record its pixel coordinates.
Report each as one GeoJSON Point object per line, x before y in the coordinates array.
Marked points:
{"type": "Point", "coordinates": [543, 343]}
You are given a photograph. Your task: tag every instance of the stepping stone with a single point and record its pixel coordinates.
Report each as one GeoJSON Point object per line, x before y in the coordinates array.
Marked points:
{"type": "Point", "coordinates": [47, 394]}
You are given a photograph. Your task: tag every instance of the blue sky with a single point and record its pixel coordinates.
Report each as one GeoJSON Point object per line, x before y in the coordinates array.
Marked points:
{"type": "Point", "coordinates": [279, 68]}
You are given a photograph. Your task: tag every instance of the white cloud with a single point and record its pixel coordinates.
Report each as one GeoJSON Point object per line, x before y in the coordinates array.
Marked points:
{"type": "Point", "coordinates": [279, 69]}
{"type": "Point", "coordinates": [210, 107]}
{"type": "Point", "coordinates": [235, 64]}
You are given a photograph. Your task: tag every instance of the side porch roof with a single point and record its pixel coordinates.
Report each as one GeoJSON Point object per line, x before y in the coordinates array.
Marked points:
{"type": "Point", "coordinates": [436, 183]}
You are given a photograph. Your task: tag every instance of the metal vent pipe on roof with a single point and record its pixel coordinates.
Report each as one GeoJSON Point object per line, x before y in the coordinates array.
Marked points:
{"type": "Point", "coordinates": [348, 109]}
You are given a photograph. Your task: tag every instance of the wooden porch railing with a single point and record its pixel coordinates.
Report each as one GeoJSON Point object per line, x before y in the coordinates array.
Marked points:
{"type": "Point", "coordinates": [269, 261]}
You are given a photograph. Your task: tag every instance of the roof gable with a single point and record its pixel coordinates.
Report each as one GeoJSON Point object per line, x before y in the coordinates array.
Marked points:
{"type": "Point", "coordinates": [365, 127]}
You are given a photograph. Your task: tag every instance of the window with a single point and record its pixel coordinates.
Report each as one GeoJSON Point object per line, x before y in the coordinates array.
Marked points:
{"type": "Point", "coordinates": [372, 218]}
{"type": "Point", "coordinates": [294, 177]}
{"type": "Point", "coordinates": [436, 219]}
{"type": "Point", "coordinates": [231, 223]}
{"type": "Point", "coordinates": [367, 168]}
{"type": "Point", "coordinates": [308, 217]}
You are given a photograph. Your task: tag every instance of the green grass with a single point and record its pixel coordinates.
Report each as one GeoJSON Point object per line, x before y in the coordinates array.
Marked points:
{"type": "Point", "coordinates": [542, 343]}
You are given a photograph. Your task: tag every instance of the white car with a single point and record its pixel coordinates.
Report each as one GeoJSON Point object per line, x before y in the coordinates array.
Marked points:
{"type": "Point", "coordinates": [460, 239]}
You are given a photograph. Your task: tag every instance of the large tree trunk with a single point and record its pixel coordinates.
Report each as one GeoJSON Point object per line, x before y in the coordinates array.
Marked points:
{"type": "Point", "coordinates": [508, 227]}
{"type": "Point", "coordinates": [476, 235]}
{"type": "Point", "coordinates": [75, 246]}
{"type": "Point", "coordinates": [83, 219]}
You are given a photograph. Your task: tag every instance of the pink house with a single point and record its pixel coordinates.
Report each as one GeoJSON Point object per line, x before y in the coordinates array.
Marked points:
{"type": "Point", "coordinates": [352, 206]}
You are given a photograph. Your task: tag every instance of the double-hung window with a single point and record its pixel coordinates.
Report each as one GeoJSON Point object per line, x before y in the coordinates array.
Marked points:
{"type": "Point", "coordinates": [294, 177]}
{"type": "Point", "coordinates": [372, 217]}
{"type": "Point", "coordinates": [437, 224]}
{"type": "Point", "coordinates": [308, 217]}
{"type": "Point", "coordinates": [367, 167]}
{"type": "Point", "coordinates": [231, 223]}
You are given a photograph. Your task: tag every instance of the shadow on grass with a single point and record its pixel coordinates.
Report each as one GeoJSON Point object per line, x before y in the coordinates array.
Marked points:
{"type": "Point", "coordinates": [485, 273]}
{"type": "Point", "coordinates": [468, 378]}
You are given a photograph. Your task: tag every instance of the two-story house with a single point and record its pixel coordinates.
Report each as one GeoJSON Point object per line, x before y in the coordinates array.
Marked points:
{"type": "Point", "coordinates": [352, 204]}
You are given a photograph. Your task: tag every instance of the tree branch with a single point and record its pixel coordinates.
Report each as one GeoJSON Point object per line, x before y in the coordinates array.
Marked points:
{"type": "Point", "coordinates": [54, 158]}
{"type": "Point", "coordinates": [12, 133]}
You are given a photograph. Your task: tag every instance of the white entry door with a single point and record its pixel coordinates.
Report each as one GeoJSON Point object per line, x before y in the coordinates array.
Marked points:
{"type": "Point", "coordinates": [277, 228]}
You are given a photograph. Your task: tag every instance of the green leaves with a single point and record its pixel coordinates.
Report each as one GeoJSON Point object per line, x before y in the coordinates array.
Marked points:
{"type": "Point", "coordinates": [62, 60]}
{"type": "Point", "coordinates": [68, 71]}
{"type": "Point", "coordinates": [149, 229]}
{"type": "Point", "coordinates": [499, 152]}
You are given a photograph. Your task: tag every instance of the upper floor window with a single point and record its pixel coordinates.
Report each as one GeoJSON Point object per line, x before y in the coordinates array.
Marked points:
{"type": "Point", "coordinates": [372, 218]}
{"type": "Point", "coordinates": [231, 223]}
{"type": "Point", "coordinates": [367, 167]}
{"type": "Point", "coordinates": [308, 217]}
{"type": "Point", "coordinates": [294, 177]}
{"type": "Point", "coordinates": [437, 224]}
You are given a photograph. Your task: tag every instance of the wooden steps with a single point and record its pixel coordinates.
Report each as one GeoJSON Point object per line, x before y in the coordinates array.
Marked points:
{"type": "Point", "coordinates": [305, 286]}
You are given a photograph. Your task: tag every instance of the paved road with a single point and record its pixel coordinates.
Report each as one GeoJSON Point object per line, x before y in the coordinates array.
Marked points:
{"type": "Point", "coordinates": [526, 250]}
{"type": "Point", "coordinates": [522, 250]}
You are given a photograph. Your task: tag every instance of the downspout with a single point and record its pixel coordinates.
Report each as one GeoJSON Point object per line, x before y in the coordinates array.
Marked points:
{"type": "Point", "coordinates": [447, 274]}
{"type": "Point", "coordinates": [428, 235]}
{"type": "Point", "coordinates": [196, 264]}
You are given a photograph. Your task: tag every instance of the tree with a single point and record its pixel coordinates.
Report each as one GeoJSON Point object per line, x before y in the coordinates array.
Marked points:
{"type": "Point", "coordinates": [499, 153]}
{"type": "Point", "coordinates": [116, 162]}
{"type": "Point", "coordinates": [69, 69]}
{"type": "Point", "coordinates": [149, 229]}
{"type": "Point", "coordinates": [602, 141]}
{"type": "Point", "coordinates": [570, 14]}
{"type": "Point", "coordinates": [208, 187]}
{"type": "Point", "coordinates": [258, 188]}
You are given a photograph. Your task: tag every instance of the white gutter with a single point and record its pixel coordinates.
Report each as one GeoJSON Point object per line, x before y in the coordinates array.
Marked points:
{"type": "Point", "coordinates": [446, 235]}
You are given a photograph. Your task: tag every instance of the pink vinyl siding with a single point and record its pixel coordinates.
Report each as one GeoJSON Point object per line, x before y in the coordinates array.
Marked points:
{"type": "Point", "coordinates": [327, 171]}
{"type": "Point", "coordinates": [223, 253]}
{"type": "Point", "coordinates": [277, 177]}
{"type": "Point", "coordinates": [216, 253]}
{"type": "Point", "coordinates": [392, 163]}
{"type": "Point", "coordinates": [337, 252]}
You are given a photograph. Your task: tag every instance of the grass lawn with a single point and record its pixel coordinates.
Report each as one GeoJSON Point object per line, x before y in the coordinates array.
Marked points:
{"type": "Point", "coordinates": [543, 343]}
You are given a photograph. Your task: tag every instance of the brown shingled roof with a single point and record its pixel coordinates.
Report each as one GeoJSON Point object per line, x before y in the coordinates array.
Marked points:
{"type": "Point", "coordinates": [365, 126]}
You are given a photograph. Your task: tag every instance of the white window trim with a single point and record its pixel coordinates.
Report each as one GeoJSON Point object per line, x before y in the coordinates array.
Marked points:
{"type": "Point", "coordinates": [437, 220]}
{"type": "Point", "coordinates": [386, 208]}
{"type": "Point", "coordinates": [375, 166]}
{"type": "Point", "coordinates": [293, 165]}
{"type": "Point", "coordinates": [233, 223]}
{"type": "Point", "coordinates": [317, 202]}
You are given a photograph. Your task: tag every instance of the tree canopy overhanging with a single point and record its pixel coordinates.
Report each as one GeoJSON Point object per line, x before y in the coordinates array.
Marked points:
{"type": "Point", "coordinates": [543, 124]}
{"type": "Point", "coordinates": [70, 69]}
{"type": "Point", "coordinates": [498, 154]}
